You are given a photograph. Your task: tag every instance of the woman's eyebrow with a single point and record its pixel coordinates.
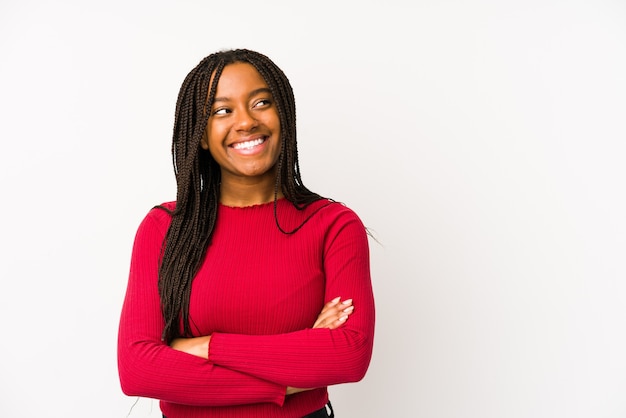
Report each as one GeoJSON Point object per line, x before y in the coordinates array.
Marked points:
{"type": "Point", "coordinates": [259, 91]}
{"type": "Point", "coordinates": [251, 94]}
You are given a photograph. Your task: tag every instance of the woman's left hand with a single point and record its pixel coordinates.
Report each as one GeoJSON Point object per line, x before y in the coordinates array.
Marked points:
{"type": "Point", "coordinates": [197, 346]}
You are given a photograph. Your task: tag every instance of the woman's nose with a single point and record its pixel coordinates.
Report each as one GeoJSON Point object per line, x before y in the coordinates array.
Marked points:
{"type": "Point", "coordinates": [245, 120]}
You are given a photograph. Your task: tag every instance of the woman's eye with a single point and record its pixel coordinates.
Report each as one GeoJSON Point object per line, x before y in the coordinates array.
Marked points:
{"type": "Point", "coordinates": [221, 111]}
{"type": "Point", "coordinates": [262, 102]}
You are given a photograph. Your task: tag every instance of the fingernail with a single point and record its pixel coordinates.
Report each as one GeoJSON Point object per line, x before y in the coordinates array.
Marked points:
{"type": "Point", "coordinates": [343, 318]}
{"type": "Point", "coordinates": [335, 300]}
{"type": "Point", "coordinates": [347, 301]}
{"type": "Point", "coordinates": [349, 309]}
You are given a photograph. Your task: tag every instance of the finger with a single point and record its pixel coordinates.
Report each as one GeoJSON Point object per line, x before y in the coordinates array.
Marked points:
{"type": "Point", "coordinates": [329, 313]}
{"type": "Point", "coordinates": [331, 304]}
{"type": "Point", "coordinates": [332, 311]}
{"type": "Point", "coordinates": [339, 321]}
{"type": "Point", "coordinates": [333, 317]}
{"type": "Point", "coordinates": [334, 306]}
{"type": "Point", "coordinates": [327, 310]}
{"type": "Point", "coordinates": [346, 303]}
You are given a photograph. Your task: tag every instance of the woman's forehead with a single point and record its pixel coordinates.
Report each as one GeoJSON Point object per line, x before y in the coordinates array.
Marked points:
{"type": "Point", "coordinates": [238, 78]}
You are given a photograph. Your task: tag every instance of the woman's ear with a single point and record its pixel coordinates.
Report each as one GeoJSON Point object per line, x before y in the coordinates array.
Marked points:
{"type": "Point", "coordinates": [204, 142]}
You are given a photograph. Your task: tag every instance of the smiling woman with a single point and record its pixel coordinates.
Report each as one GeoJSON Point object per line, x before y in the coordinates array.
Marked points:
{"type": "Point", "coordinates": [250, 294]}
{"type": "Point", "coordinates": [243, 135]}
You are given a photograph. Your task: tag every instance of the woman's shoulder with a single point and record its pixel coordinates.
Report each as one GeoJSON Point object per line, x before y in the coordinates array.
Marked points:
{"type": "Point", "coordinates": [160, 215]}
{"type": "Point", "coordinates": [331, 211]}
{"type": "Point", "coordinates": [165, 206]}
{"type": "Point", "coordinates": [335, 206]}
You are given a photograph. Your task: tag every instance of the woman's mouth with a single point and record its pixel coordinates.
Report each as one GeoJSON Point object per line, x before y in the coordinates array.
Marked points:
{"type": "Point", "coordinates": [249, 144]}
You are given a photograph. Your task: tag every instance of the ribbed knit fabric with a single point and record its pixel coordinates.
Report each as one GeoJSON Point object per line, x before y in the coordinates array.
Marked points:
{"type": "Point", "coordinates": [258, 293]}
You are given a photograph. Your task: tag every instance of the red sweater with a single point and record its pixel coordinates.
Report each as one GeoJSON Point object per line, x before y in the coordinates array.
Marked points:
{"type": "Point", "coordinates": [257, 293]}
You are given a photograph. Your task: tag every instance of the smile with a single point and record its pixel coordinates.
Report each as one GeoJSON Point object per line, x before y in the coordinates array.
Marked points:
{"type": "Point", "coordinates": [249, 144]}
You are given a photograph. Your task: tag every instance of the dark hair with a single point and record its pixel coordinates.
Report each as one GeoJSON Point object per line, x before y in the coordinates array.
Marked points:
{"type": "Point", "coordinates": [198, 178]}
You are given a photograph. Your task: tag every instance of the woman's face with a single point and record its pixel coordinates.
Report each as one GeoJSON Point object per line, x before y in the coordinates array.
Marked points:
{"type": "Point", "coordinates": [243, 131]}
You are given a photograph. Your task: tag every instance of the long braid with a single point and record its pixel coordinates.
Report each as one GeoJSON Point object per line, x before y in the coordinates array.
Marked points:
{"type": "Point", "coordinates": [198, 178]}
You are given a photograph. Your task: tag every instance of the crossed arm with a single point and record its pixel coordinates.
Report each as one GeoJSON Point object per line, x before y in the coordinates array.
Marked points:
{"type": "Point", "coordinates": [246, 369]}
{"type": "Point", "coordinates": [333, 315]}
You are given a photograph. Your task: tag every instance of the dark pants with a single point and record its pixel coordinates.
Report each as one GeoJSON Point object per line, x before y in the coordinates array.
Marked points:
{"type": "Point", "coordinates": [320, 413]}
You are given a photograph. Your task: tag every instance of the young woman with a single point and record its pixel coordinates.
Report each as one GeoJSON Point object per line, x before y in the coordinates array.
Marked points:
{"type": "Point", "coordinates": [249, 295]}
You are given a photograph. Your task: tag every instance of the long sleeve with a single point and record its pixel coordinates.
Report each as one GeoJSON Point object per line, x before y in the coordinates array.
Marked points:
{"type": "Point", "coordinates": [148, 367]}
{"type": "Point", "coordinates": [316, 357]}
{"type": "Point", "coordinates": [257, 293]}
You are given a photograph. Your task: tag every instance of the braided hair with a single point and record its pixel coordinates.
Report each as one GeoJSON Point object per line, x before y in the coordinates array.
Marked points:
{"type": "Point", "coordinates": [198, 178]}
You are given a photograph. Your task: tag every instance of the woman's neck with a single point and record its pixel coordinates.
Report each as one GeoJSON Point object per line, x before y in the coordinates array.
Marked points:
{"type": "Point", "coordinates": [247, 193]}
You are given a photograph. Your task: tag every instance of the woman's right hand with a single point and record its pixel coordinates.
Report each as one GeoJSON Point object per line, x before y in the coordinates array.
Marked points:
{"type": "Point", "coordinates": [334, 314]}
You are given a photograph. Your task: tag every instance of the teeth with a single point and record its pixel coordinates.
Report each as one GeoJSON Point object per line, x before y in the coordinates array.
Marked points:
{"type": "Point", "coordinates": [248, 144]}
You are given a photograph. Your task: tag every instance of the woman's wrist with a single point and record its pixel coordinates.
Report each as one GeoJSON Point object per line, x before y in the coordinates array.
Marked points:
{"type": "Point", "coordinates": [197, 346]}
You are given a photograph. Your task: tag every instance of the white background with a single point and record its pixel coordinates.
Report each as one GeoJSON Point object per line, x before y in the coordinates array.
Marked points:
{"type": "Point", "coordinates": [482, 141]}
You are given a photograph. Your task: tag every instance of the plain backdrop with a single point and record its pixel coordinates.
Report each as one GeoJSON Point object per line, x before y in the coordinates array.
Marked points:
{"type": "Point", "coordinates": [483, 142]}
